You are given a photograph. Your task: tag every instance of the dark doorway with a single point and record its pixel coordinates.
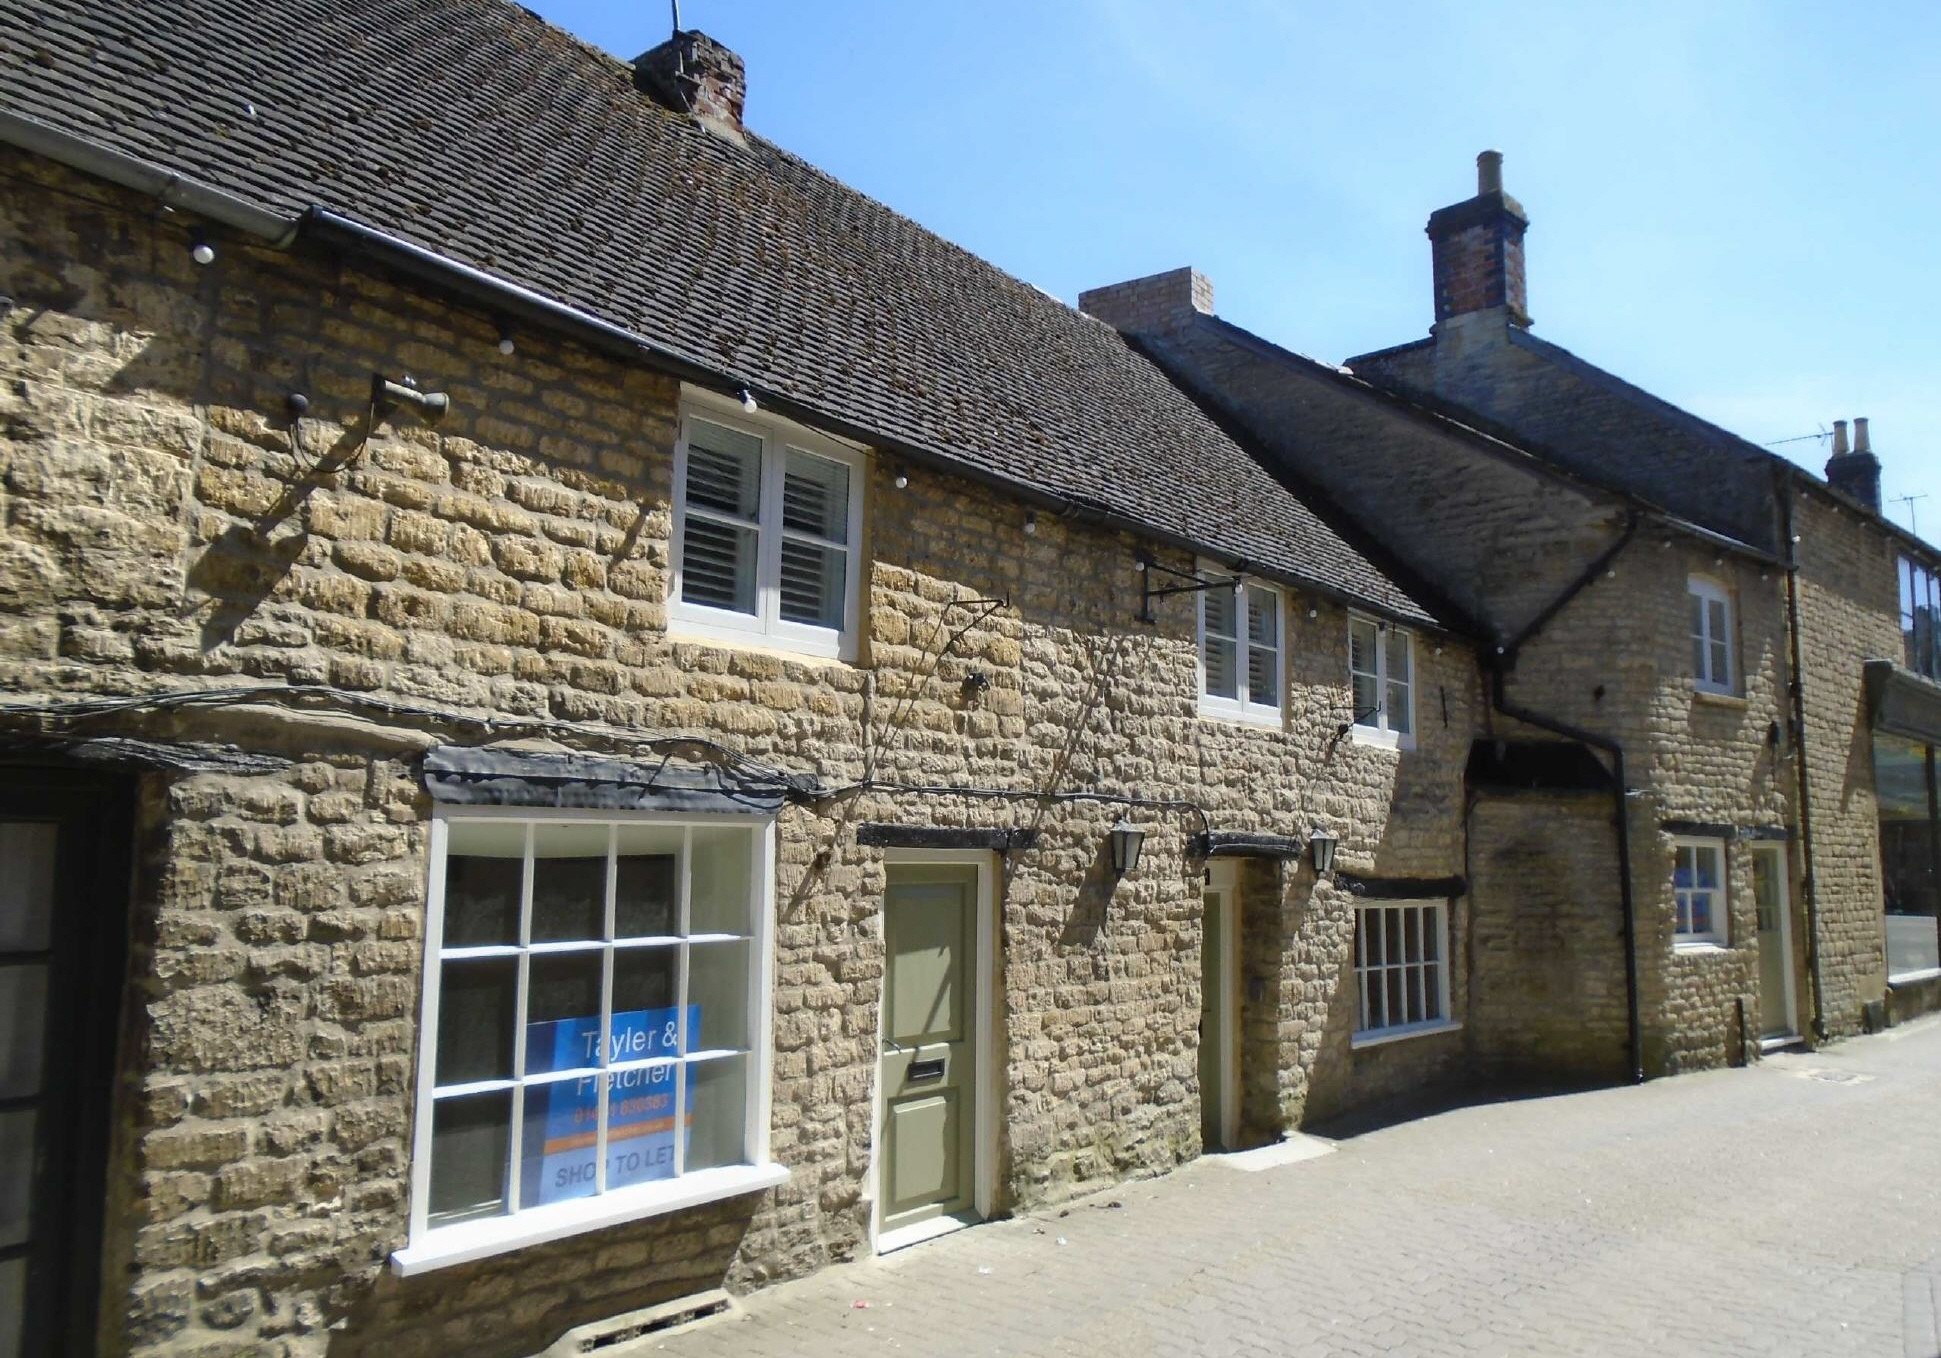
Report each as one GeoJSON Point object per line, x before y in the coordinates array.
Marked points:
{"type": "Point", "coordinates": [64, 872]}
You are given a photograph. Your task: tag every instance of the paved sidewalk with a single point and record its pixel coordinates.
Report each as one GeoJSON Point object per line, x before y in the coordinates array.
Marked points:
{"type": "Point", "coordinates": [1793, 1208]}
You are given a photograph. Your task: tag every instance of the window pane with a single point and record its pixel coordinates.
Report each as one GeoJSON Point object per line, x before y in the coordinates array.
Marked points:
{"type": "Point", "coordinates": [1398, 656]}
{"type": "Point", "coordinates": [717, 996]}
{"type": "Point", "coordinates": [476, 1012]}
{"type": "Point", "coordinates": [1399, 719]}
{"type": "Point", "coordinates": [722, 895]}
{"type": "Point", "coordinates": [644, 999]}
{"type": "Point", "coordinates": [569, 883]}
{"type": "Point", "coordinates": [1715, 619]}
{"type": "Point", "coordinates": [1222, 678]}
{"type": "Point", "coordinates": [13, 1305]}
{"type": "Point", "coordinates": [717, 1113]}
{"type": "Point", "coordinates": [1218, 612]}
{"type": "Point", "coordinates": [26, 884]}
{"type": "Point", "coordinates": [1368, 706]}
{"type": "Point", "coordinates": [1701, 912]}
{"type": "Point", "coordinates": [470, 1137]}
{"type": "Point", "coordinates": [718, 565]}
{"type": "Point", "coordinates": [1681, 872]}
{"type": "Point", "coordinates": [1707, 861]}
{"type": "Point", "coordinates": [563, 1011]}
{"type": "Point", "coordinates": [815, 496]}
{"type": "Point", "coordinates": [646, 890]}
{"type": "Point", "coordinates": [1263, 617]}
{"type": "Point", "coordinates": [16, 1174]}
{"type": "Point", "coordinates": [559, 1151]}
{"type": "Point", "coordinates": [813, 580]}
{"type": "Point", "coordinates": [484, 874]}
{"type": "Point", "coordinates": [23, 1035]}
{"type": "Point", "coordinates": [640, 1126]}
{"type": "Point", "coordinates": [1721, 671]}
{"type": "Point", "coordinates": [1263, 676]}
{"type": "Point", "coordinates": [1361, 646]}
{"type": "Point", "coordinates": [1397, 1002]}
{"type": "Point", "coordinates": [724, 469]}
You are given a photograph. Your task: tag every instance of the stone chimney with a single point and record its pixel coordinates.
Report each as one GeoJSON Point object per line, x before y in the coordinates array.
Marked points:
{"type": "Point", "coordinates": [1477, 246]}
{"type": "Point", "coordinates": [1857, 471]}
{"type": "Point", "coordinates": [1154, 304]}
{"type": "Point", "coordinates": [692, 73]}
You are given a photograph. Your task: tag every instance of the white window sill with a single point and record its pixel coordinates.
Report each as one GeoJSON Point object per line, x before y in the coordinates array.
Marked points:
{"type": "Point", "coordinates": [1381, 1036]}
{"type": "Point", "coordinates": [694, 633]}
{"type": "Point", "coordinates": [1248, 714]}
{"type": "Point", "coordinates": [1699, 946]}
{"type": "Point", "coordinates": [1378, 739]}
{"type": "Point", "coordinates": [462, 1243]}
{"type": "Point", "coordinates": [1913, 977]}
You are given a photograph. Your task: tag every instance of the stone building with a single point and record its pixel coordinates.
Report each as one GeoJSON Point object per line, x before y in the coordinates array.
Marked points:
{"type": "Point", "coordinates": [589, 713]}
{"type": "Point", "coordinates": [1674, 620]}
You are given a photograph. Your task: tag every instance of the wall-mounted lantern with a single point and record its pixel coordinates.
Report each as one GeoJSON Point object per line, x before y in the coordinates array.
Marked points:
{"type": "Point", "coordinates": [1321, 845]}
{"type": "Point", "coordinates": [1127, 840]}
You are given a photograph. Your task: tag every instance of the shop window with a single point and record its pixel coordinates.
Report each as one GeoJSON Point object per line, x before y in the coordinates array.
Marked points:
{"type": "Point", "coordinates": [596, 1000]}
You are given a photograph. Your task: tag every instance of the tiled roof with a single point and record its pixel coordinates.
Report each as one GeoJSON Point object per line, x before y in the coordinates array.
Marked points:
{"type": "Point", "coordinates": [475, 129]}
{"type": "Point", "coordinates": [1599, 427]}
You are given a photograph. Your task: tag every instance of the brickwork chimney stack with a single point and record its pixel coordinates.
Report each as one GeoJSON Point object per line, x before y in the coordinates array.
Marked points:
{"type": "Point", "coordinates": [1477, 248]}
{"type": "Point", "coordinates": [692, 73]}
{"type": "Point", "coordinates": [1153, 304]}
{"type": "Point", "coordinates": [1855, 472]}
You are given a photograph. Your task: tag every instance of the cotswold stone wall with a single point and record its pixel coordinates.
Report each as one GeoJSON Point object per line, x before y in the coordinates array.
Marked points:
{"type": "Point", "coordinates": [1617, 660]}
{"type": "Point", "coordinates": [1849, 613]}
{"type": "Point", "coordinates": [168, 529]}
{"type": "Point", "coordinates": [1546, 947]}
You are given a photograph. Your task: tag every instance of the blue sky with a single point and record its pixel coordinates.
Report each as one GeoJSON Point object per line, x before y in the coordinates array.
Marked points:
{"type": "Point", "coordinates": [1736, 205]}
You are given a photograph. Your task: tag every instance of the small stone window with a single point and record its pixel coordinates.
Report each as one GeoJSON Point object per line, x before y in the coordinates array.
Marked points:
{"type": "Point", "coordinates": [595, 1025]}
{"type": "Point", "coordinates": [767, 526]}
{"type": "Point", "coordinates": [1698, 888]}
{"type": "Point", "coordinates": [1711, 615]}
{"type": "Point", "coordinates": [1401, 969]}
{"type": "Point", "coordinates": [1241, 651]}
{"type": "Point", "coordinates": [1381, 672]}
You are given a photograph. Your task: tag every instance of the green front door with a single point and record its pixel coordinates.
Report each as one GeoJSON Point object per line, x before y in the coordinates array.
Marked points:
{"type": "Point", "coordinates": [1216, 1022]}
{"type": "Point", "coordinates": [929, 1076]}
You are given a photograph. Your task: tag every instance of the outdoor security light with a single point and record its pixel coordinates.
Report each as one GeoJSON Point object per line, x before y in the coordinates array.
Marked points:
{"type": "Point", "coordinates": [1127, 839]}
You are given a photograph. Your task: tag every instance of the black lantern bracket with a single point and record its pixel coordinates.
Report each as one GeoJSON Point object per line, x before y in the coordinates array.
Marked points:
{"type": "Point", "coordinates": [1197, 584]}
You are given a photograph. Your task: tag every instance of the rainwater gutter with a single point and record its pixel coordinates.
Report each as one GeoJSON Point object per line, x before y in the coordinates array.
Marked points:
{"type": "Point", "coordinates": [1809, 879]}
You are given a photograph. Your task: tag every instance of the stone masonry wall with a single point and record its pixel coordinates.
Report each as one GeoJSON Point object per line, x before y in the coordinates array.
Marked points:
{"type": "Point", "coordinates": [1849, 612]}
{"type": "Point", "coordinates": [1617, 661]}
{"type": "Point", "coordinates": [167, 529]}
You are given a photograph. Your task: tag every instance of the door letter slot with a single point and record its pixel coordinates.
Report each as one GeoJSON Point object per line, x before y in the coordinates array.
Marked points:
{"type": "Point", "coordinates": [925, 1070]}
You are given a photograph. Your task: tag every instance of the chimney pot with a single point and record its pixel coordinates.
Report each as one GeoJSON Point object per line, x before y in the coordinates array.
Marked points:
{"type": "Point", "coordinates": [1489, 172]}
{"type": "Point", "coordinates": [1855, 471]}
{"type": "Point", "coordinates": [1476, 249]}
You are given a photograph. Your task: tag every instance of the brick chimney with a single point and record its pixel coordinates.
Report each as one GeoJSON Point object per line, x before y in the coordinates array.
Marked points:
{"type": "Point", "coordinates": [1153, 304]}
{"type": "Point", "coordinates": [1477, 247]}
{"type": "Point", "coordinates": [692, 73]}
{"type": "Point", "coordinates": [1857, 471]}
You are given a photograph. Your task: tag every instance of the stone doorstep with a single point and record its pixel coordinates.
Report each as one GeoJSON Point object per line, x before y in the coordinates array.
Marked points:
{"type": "Point", "coordinates": [636, 1332]}
{"type": "Point", "coordinates": [1297, 1147]}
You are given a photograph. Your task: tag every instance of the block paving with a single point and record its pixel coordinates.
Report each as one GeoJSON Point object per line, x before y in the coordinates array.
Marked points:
{"type": "Point", "coordinates": [1790, 1208]}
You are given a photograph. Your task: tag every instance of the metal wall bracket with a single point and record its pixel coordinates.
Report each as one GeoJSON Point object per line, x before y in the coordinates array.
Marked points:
{"type": "Point", "coordinates": [1198, 583]}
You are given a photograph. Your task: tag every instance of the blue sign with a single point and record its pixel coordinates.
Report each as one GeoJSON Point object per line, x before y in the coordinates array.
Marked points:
{"type": "Point", "coordinates": [560, 1148]}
